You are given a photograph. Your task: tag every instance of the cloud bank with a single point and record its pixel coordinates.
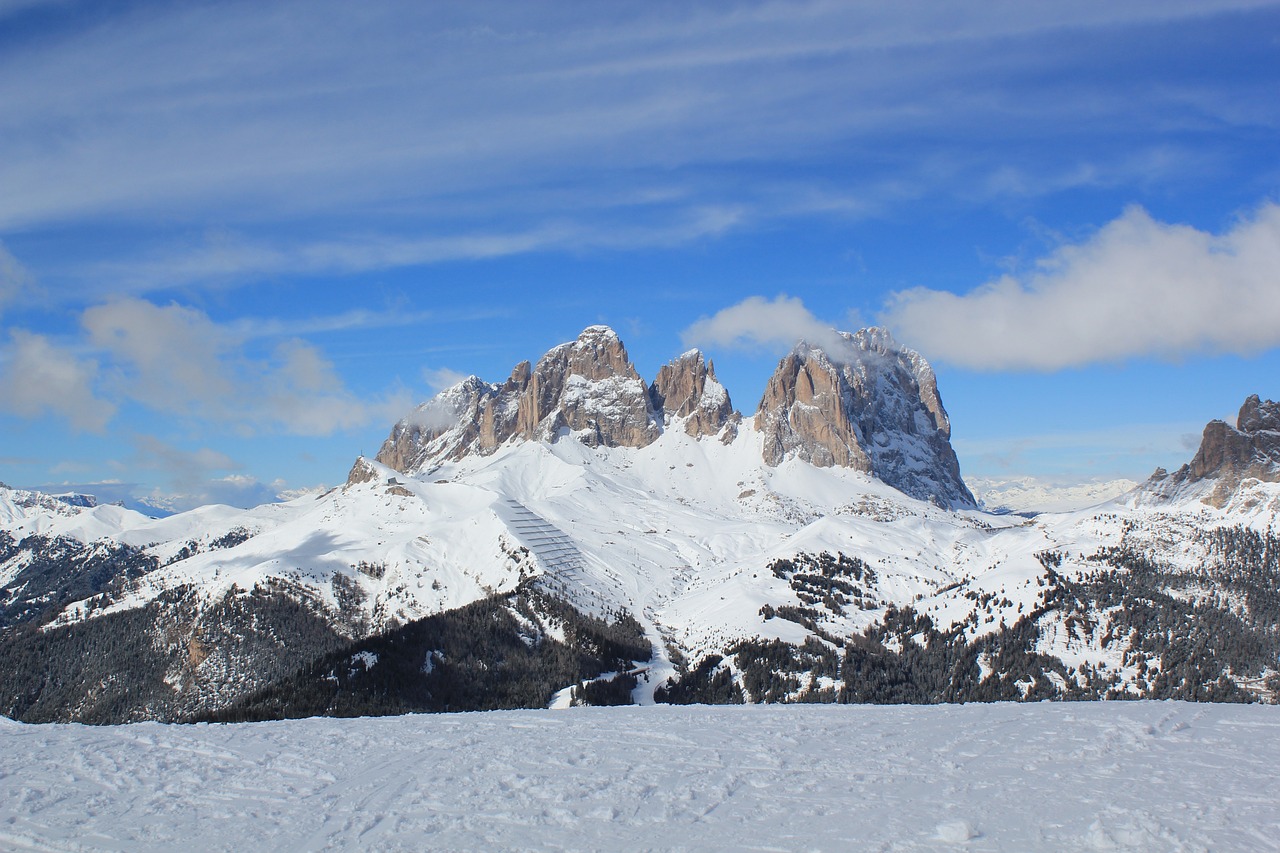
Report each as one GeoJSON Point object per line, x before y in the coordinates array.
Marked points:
{"type": "Point", "coordinates": [39, 377]}
{"type": "Point", "coordinates": [177, 361]}
{"type": "Point", "coordinates": [1138, 287]}
{"type": "Point", "coordinates": [539, 126]}
{"type": "Point", "coordinates": [759, 323]}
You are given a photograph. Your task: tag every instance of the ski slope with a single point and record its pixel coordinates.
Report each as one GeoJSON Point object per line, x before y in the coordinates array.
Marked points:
{"type": "Point", "coordinates": [1087, 776]}
{"type": "Point", "coordinates": [680, 533]}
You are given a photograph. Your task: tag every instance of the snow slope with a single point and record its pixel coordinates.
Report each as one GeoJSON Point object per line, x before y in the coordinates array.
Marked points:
{"type": "Point", "coordinates": [680, 533]}
{"type": "Point", "coordinates": [1033, 495]}
{"type": "Point", "coordinates": [25, 513]}
{"type": "Point", "coordinates": [1086, 776]}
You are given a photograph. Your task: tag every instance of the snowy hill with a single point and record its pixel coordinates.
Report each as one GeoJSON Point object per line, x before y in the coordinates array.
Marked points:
{"type": "Point", "coordinates": [1030, 495]}
{"type": "Point", "coordinates": [635, 542]}
{"type": "Point", "coordinates": [1103, 776]}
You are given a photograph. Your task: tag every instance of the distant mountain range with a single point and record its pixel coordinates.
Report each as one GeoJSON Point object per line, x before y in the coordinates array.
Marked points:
{"type": "Point", "coordinates": [1034, 495]}
{"type": "Point", "coordinates": [576, 534]}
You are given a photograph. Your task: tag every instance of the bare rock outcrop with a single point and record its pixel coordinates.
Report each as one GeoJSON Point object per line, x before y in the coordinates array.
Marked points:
{"type": "Point", "coordinates": [361, 472]}
{"type": "Point", "coordinates": [1230, 455]}
{"type": "Point", "coordinates": [687, 388]}
{"type": "Point", "coordinates": [587, 387]}
{"type": "Point", "coordinates": [861, 402]}
{"type": "Point", "coordinates": [590, 388]}
{"type": "Point", "coordinates": [865, 403]}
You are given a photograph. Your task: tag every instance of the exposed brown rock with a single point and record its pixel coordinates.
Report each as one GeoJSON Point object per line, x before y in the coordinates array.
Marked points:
{"type": "Point", "coordinates": [588, 387]}
{"type": "Point", "coordinates": [687, 388]}
{"type": "Point", "coordinates": [872, 406]}
{"type": "Point", "coordinates": [361, 472]}
{"type": "Point", "coordinates": [1230, 455]}
{"type": "Point", "coordinates": [803, 414]}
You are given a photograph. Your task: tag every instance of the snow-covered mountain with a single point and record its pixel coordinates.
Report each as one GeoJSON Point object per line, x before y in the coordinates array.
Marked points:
{"type": "Point", "coordinates": [575, 525]}
{"type": "Point", "coordinates": [872, 406]}
{"type": "Point", "coordinates": [1033, 495]}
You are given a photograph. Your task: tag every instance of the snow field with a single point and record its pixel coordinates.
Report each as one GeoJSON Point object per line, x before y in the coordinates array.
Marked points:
{"type": "Point", "coordinates": [1088, 776]}
{"type": "Point", "coordinates": [680, 534]}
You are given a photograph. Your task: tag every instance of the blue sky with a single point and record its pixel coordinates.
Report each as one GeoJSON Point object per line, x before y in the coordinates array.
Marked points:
{"type": "Point", "coordinates": [237, 240]}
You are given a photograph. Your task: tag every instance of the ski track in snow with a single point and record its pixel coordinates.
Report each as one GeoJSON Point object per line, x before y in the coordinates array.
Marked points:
{"type": "Point", "coordinates": [1087, 776]}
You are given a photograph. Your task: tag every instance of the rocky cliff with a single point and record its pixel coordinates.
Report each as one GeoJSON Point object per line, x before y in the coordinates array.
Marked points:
{"type": "Point", "coordinates": [587, 387]}
{"type": "Point", "coordinates": [687, 388]}
{"type": "Point", "coordinates": [868, 404]}
{"type": "Point", "coordinates": [873, 406]}
{"type": "Point", "coordinates": [1230, 455]}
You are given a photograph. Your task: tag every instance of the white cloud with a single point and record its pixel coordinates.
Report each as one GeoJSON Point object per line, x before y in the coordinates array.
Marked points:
{"type": "Point", "coordinates": [169, 358]}
{"type": "Point", "coordinates": [759, 323]}
{"type": "Point", "coordinates": [189, 474]}
{"type": "Point", "coordinates": [15, 279]}
{"type": "Point", "coordinates": [257, 113]}
{"type": "Point", "coordinates": [440, 378]}
{"type": "Point", "coordinates": [40, 377]}
{"type": "Point", "coordinates": [229, 258]}
{"type": "Point", "coordinates": [176, 360]}
{"type": "Point", "coordinates": [184, 467]}
{"type": "Point", "coordinates": [1137, 287]}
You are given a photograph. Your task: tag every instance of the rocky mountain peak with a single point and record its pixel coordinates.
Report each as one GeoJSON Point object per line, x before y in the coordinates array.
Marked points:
{"type": "Point", "coordinates": [590, 388]}
{"type": "Point", "coordinates": [863, 401]}
{"type": "Point", "coordinates": [1258, 416]}
{"type": "Point", "coordinates": [859, 400]}
{"type": "Point", "coordinates": [587, 387]}
{"type": "Point", "coordinates": [686, 387]}
{"type": "Point", "coordinates": [1230, 455]}
{"type": "Point", "coordinates": [1227, 457]}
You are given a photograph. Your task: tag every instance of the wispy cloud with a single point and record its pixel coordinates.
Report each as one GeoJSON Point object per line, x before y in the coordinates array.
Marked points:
{"type": "Point", "coordinates": [176, 361]}
{"type": "Point", "coordinates": [231, 259]}
{"type": "Point", "coordinates": [440, 378]}
{"type": "Point", "coordinates": [15, 279]}
{"type": "Point", "coordinates": [1137, 287]}
{"type": "Point", "coordinates": [39, 377]}
{"type": "Point", "coordinates": [260, 115]}
{"type": "Point", "coordinates": [1132, 451]}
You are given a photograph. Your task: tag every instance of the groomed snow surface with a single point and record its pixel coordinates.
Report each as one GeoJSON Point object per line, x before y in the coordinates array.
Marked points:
{"type": "Point", "coordinates": [1097, 776]}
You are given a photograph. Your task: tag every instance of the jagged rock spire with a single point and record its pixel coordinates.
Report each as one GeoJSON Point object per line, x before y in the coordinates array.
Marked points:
{"type": "Point", "coordinates": [862, 402]}
{"type": "Point", "coordinates": [686, 387]}
{"type": "Point", "coordinates": [1229, 455]}
{"type": "Point", "coordinates": [587, 387]}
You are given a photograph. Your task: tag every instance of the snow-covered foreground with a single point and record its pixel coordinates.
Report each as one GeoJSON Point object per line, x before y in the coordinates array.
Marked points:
{"type": "Point", "coordinates": [1097, 776]}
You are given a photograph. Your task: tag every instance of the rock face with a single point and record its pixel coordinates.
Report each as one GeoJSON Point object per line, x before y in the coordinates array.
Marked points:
{"type": "Point", "coordinates": [872, 406]}
{"type": "Point", "coordinates": [687, 388]}
{"type": "Point", "coordinates": [587, 387]}
{"type": "Point", "coordinates": [1231, 455]}
{"type": "Point", "coordinates": [869, 404]}
{"type": "Point", "coordinates": [590, 388]}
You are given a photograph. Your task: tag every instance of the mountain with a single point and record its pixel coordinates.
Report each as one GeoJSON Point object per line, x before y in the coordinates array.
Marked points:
{"type": "Point", "coordinates": [575, 534]}
{"type": "Point", "coordinates": [587, 387]}
{"type": "Point", "coordinates": [1231, 461]}
{"type": "Point", "coordinates": [1032, 495]}
{"type": "Point", "coordinates": [872, 406]}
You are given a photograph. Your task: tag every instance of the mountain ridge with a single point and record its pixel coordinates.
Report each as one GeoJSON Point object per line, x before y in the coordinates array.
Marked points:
{"type": "Point", "coordinates": [872, 406]}
{"type": "Point", "coordinates": [568, 558]}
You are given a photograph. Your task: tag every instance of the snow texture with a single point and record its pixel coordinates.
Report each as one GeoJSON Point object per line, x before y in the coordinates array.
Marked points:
{"type": "Point", "coordinates": [1098, 776]}
{"type": "Point", "coordinates": [1033, 495]}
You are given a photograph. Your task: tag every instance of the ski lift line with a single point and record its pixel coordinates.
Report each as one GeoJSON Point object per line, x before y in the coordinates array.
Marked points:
{"type": "Point", "coordinates": [566, 566]}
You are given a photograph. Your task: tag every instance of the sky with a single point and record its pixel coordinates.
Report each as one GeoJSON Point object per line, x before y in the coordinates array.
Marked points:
{"type": "Point", "coordinates": [239, 240]}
